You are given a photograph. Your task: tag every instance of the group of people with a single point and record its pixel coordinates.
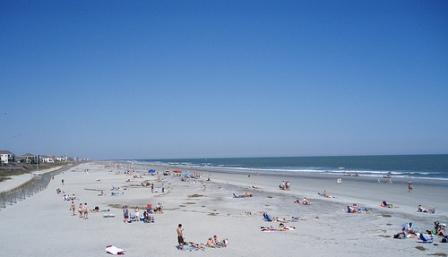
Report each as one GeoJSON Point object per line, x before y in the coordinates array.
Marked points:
{"type": "Point", "coordinates": [83, 210]}
{"type": "Point", "coordinates": [212, 242]}
{"type": "Point", "coordinates": [408, 231]}
{"type": "Point", "coordinates": [146, 217]}
{"type": "Point", "coordinates": [285, 185]}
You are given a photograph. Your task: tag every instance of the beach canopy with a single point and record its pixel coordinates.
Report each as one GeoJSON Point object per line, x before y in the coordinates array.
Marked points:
{"type": "Point", "coordinates": [151, 171]}
{"type": "Point", "coordinates": [177, 171]}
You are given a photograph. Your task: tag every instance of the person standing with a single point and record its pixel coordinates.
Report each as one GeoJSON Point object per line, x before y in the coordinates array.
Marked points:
{"type": "Point", "coordinates": [180, 235]}
{"type": "Point", "coordinates": [62, 181]}
{"type": "Point", "coordinates": [125, 214]}
{"type": "Point", "coordinates": [410, 186]}
{"type": "Point", "coordinates": [73, 208]}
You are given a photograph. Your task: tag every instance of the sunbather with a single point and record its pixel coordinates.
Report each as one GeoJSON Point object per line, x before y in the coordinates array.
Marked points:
{"type": "Point", "coordinates": [304, 201]}
{"type": "Point", "coordinates": [218, 243]}
{"type": "Point", "coordinates": [386, 204]}
{"type": "Point", "coordinates": [325, 194]}
{"type": "Point", "coordinates": [425, 238]}
{"type": "Point", "coordinates": [210, 243]}
{"type": "Point", "coordinates": [246, 194]}
{"type": "Point", "coordinates": [424, 210]}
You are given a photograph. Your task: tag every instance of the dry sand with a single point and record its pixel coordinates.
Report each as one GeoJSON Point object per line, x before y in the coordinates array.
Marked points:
{"type": "Point", "coordinates": [43, 225]}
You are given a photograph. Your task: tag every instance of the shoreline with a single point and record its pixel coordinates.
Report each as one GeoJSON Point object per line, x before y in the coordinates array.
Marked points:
{"type": "Point", "coordinates": [306, 174]}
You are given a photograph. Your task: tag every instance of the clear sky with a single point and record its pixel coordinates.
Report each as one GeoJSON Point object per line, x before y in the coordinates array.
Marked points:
{"type": "Point", "coordinates": [154, 79]}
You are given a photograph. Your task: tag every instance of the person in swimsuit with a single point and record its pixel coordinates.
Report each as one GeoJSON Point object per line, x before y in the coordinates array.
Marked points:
{"type": "Point", "coordinates": [180, 235]}
{"type": "Point", "coordinates": [80, 210]}
{"type": "Point", "coordinates": [73, 208]}
{"type": "Point", "coordinates": [125, 214]}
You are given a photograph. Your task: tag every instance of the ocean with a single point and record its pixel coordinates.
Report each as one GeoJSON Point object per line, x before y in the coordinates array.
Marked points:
{"type": "Point", "coordinates": [434, 166]}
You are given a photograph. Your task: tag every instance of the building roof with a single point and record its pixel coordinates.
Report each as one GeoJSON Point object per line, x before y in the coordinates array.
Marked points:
{"type": "Point", "coordinates": [5, 152]}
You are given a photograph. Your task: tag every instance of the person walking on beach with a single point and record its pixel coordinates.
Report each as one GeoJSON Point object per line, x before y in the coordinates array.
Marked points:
{"type": "Point", "coordinates": [73, 208]}
{"type": "Point", "coordinates": [180, 235]}
{"type": "Point", "coordinates": [410, 186]}
{"type": "Point", "coordinates": [62, 181]}
{"type": "Point", "coordinates": [80, 210]}
{"type": "Point", "coordinates": [85, 211]}
{"type": "Point", "coordinates": [152, 187]}
{"type": "Point", "coordinates": [125, 214]}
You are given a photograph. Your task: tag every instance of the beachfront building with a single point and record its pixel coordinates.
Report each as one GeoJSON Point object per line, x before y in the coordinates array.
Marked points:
{"type": "Point", "coordinates": [61, 158]}
{"type": "Point", "coordinates": [46, 159]}
{"type": "Point", "coordinates": [27, 158]}
{"type": "Point", "coordinates": [6, 157]}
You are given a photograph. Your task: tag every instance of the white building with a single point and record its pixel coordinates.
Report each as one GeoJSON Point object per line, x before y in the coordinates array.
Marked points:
{"type": "Point", "coordinates": [46, 159]}
{"type": "Point", "coordinates": [6, 156]}
{"type": "Point", "coordinates": [61, 158]}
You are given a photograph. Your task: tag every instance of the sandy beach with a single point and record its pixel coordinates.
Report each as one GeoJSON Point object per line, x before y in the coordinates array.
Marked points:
{"type": "Point", "coordinates": [43, 225]}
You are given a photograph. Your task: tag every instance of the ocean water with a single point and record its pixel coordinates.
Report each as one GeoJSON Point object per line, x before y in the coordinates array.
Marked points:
{"type": "Point", "coordinates": [423, 166]}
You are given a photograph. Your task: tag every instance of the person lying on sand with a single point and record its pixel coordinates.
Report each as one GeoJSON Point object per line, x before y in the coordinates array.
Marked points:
{"type": "Point", "coordinates": [304, 201]}
{"type": "Point", "coordinates": [197, 245]}
{"type": "Point", "coordinates": [281, 228]}
{"type": "Point", "coordinates": [245, 195]}
{"type": "Point", "coordinates": [385, 204]}
{"type": "Point", "coordinates": [218, 243]}
{"type": "Point", "coordinates": [325, 194]}
{"type": "Point", "coordinates": [355, 208]}
{"type": "Point", "coordinates": [424, 210]}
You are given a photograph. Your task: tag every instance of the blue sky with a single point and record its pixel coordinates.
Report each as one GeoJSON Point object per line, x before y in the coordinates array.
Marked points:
{"type": "Point", "coordinates": [154, 79]}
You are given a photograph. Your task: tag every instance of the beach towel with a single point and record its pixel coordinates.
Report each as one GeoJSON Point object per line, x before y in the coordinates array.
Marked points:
{"type": "Point", "coordinates": [111, 249]}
